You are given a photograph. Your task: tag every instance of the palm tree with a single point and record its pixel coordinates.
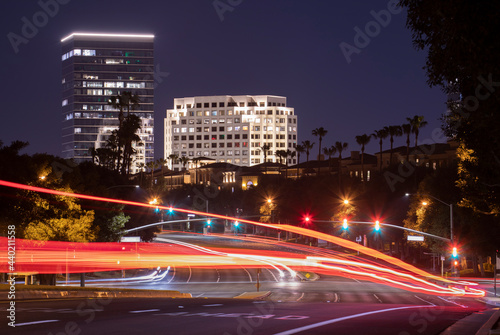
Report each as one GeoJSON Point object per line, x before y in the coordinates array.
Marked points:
{"type": "Point", "coordinates": [128, 135]}
{"type": "Point", "coordinates": [152, 165]}
{"type": "Point", "coordinates": [173, 158]}
{"type": "Point", "coordinates": [299, 149]}
{"type": "Point", "coordinates": [381, 135]}
{"type": "Point", "coordinates": [340, 146]}
{"type": "Point", "coordinates": [416, 123]}
{"type": "Point", "coordinates": [319, 132]}
{"type": "Point", "coordinates": [196, 160]}
{"type": "Point", "coordinates": [281, 154]}
{"type": "Point", "coordinates": [93, 153]}
{"type": "Point", "coordinates": [330, 152]}
{"type": "Point", "coordinates": [161, 163]}
{"type": "Point", "coordinates": [141, 170]}
{"type": "Point", "coordinates": [291, 154]}
{"type": "Point", "coordinates": [308, 147]}
{"type": "Point", "coordinates": [394, 131]}
{"type": "Point", "coordinates": [363, 140]}
{"type": "Point", "coordinates": [407, 131]}
{"type": "Point", "coordinates": [184, 160]}
{"type": "Point", "coordinates": [125, 100]}
{"type": "Point", "coordinates": [265, 148]}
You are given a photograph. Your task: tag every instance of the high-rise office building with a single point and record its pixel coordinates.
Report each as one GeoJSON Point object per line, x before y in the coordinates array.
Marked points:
{"type": "Point", "coordinates": [230, 129]}
{"type": "Point", "coordinates": [96, 67]}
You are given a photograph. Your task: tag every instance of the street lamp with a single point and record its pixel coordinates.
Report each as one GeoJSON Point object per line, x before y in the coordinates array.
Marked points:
{"type": "Point", "coordinates": [444, 203]}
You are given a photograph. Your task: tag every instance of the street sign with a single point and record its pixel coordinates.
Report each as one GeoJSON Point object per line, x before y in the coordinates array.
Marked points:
{"type": "Point", "coordinates": [415, 238]}
{"type": "Point", "coordinates": [130, 239]}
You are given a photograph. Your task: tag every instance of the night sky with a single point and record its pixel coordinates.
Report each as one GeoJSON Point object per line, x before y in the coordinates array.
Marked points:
{"type": "Point", "coordinates": [278, 47]}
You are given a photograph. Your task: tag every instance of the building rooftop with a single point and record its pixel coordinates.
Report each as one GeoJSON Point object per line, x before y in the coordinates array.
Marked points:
{"type": "Point", "coordinates": [106, 36]}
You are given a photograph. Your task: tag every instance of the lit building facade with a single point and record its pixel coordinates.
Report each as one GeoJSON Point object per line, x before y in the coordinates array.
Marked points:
{"type": "Point", "coordinates": [94, 68]}
{"type": "Point", "coordinates": [230, 129]}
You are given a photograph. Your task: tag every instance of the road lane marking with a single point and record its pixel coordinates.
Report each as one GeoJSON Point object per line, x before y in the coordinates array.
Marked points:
{"type": "Point", "coordinates": [190, 272]}
{"type": "Point", "coordinates": [452, 302]}
{"type": "Point", "coordinates": [430, 303]}
{"type": "Point", "coordinates": [327, 322]}
{"type": "Point", "coordinates": [272, 274]}
{"type": "Point", "coordinates": [249, 276]}
{"type": "Point", "coordinates": [218, 275]}
{"type": "Point", "coordinates": [377, 298]}
{"type": "Point", "coordinates": [302, 296]}
{"type": "Point", "coordinates": [34, 322]}
{"type": "Point", "coordinates": [213, 305]}
{"type": "Point", "coordinates": [337, 298]}
{"type": "Point", "coordinates": [172, 275]}
{"type": "Point", "coordinates": [145, 311]}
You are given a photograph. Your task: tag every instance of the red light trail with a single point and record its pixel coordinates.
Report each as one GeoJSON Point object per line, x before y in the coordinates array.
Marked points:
{"type": "Point", "coordinates": [60, 257]}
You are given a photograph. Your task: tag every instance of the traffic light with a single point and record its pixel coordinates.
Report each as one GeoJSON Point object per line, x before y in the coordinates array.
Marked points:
{"type": "Point", "coordinates": [377, 225]}
{"type": "Point", "coordinates": [236, 223]}
{"type": "Point", "coordinates": [454, 253]}
{"type": "Point", "coordinates": [344, 225]}
{"type": "Point", "coordinates": [307, 219]}
{"type": "Point", "coordinates": [209, 222]}
{"type": "Point", "coordinates": [170, 210]}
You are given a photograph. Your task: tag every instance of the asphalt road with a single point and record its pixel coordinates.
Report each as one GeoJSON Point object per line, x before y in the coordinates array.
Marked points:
{"type": "Point", "coordinates": [227, 317]}
{"type": "Point", "coordinates": [330, 305]}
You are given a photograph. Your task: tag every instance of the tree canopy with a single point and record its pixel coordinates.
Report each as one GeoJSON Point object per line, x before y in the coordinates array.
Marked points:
{"type": "Point", "coordinates": [461, 40]}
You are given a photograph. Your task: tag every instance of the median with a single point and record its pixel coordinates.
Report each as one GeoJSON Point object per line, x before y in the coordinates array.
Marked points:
{"type": "Point", "coordinates": [24, 292]}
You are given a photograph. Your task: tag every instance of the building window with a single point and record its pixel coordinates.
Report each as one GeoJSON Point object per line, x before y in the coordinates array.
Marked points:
{"type": "Point", "coordinates": [86, 52]}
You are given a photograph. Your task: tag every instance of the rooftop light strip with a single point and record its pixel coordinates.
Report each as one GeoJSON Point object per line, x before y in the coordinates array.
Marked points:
{"type": "Point", "coordinates": [106, 35]}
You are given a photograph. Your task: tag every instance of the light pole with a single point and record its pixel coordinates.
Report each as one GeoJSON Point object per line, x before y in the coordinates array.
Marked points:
{"type": "Point", "coordinates": [444, 203]}
{"type": "Point", "coordinates": [451, 221]}
{"type": "Point", "coordinates": [116, 186]}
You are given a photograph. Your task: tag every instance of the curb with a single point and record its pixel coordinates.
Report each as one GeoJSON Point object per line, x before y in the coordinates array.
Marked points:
{"type": "Point", "coordinates": [52, 294]}
{"type": "Point", "coordinates": [491, 301]}
{"type": "Point", "coordinates": [253, 295]}
{"type": "Point", "coordinates": [485, 329]}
